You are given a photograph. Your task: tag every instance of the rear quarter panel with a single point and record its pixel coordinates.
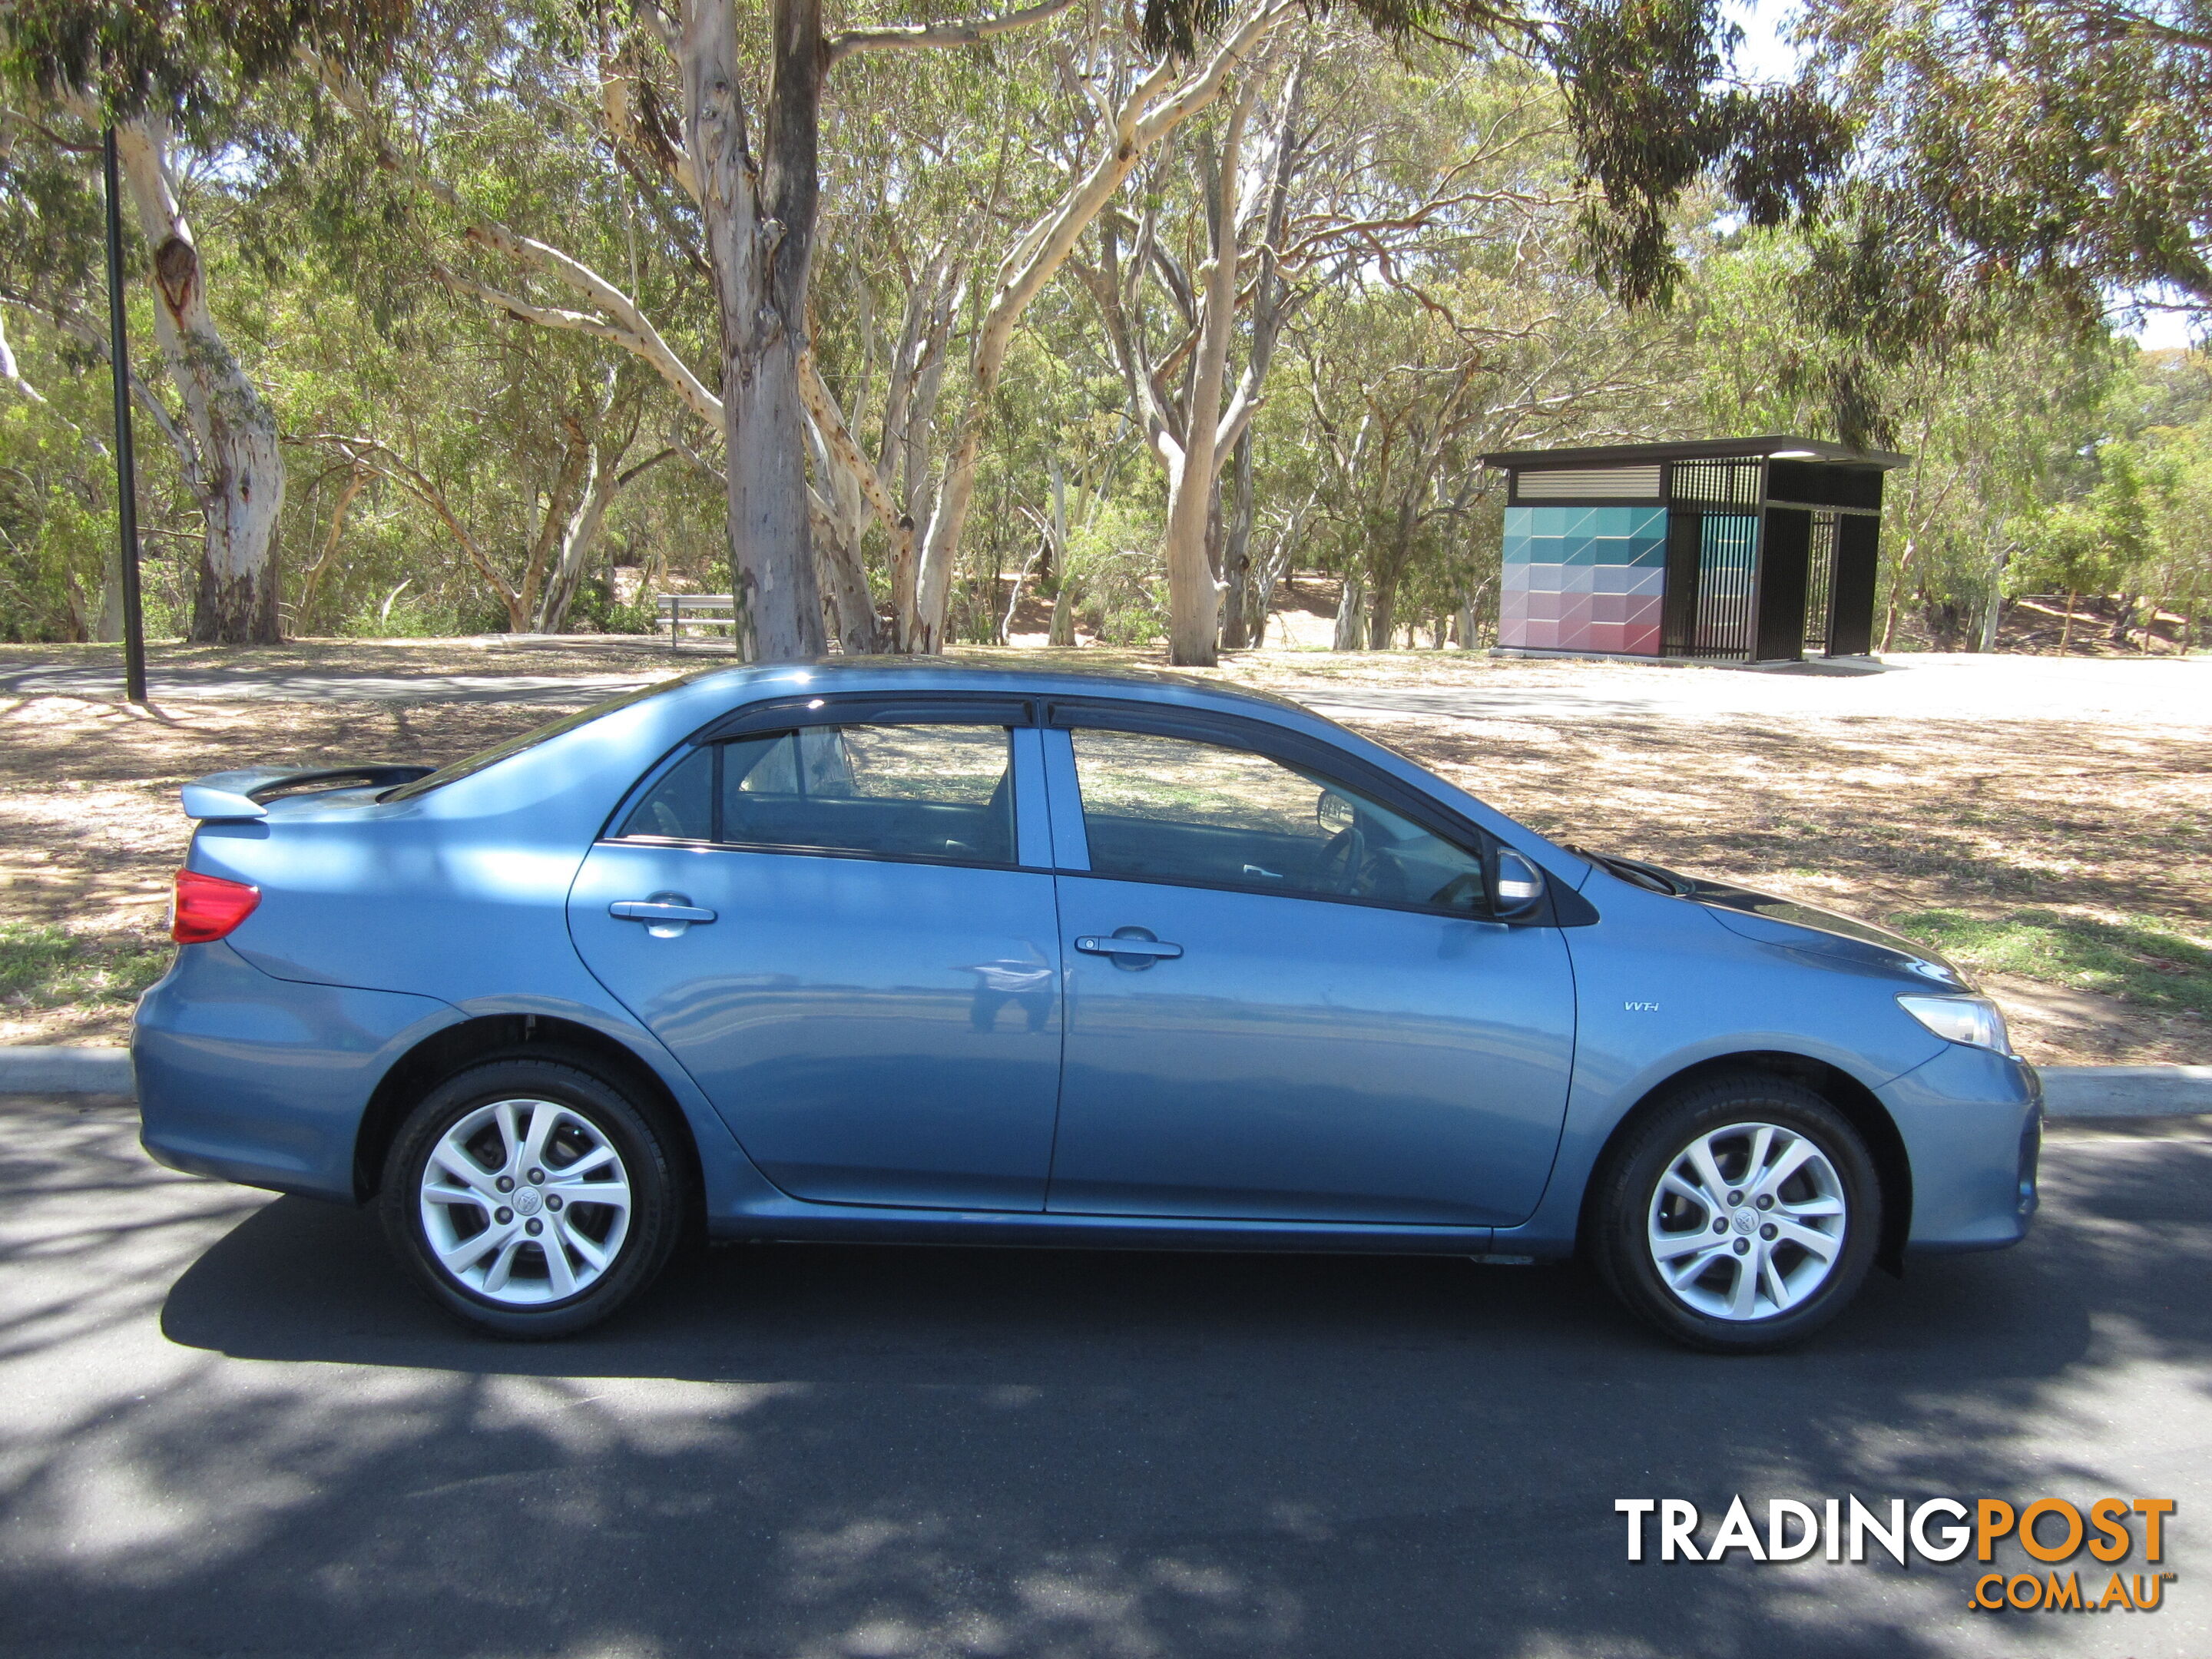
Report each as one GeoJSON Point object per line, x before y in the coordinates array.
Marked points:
{"type": "Point", "coordinates": [262, 1082]}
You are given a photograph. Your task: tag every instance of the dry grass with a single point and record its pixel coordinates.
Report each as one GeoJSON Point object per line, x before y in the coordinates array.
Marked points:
{"type": "Point", "coordinates": [2071, 858]}
{"type": "Point", "coordinates": [2087, 837]}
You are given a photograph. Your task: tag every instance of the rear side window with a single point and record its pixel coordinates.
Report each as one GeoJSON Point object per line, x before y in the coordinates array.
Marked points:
{"type": "Point", "coordinates": [933, 792]}
{"type": "Point", "coordinates": [1173, 809]}
{"type": "Point", "coordinates": [681, 807]}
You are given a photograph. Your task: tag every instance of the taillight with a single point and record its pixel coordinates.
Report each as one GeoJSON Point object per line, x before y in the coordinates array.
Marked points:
{"type": "Point", "coordinates": [209, 907]}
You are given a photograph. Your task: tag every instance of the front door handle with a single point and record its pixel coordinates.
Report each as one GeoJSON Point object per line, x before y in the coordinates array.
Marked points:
{"type": "Point", "coordinates": [1122, 946]}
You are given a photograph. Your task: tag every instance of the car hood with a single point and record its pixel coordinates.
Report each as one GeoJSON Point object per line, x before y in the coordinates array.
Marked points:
{"type": "Point", "coordinates": [1774, 919]}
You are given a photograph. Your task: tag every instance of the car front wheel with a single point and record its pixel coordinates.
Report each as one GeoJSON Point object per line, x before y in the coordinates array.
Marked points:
{"type": "Point", "coordinates": [530, 1198]}
{"type": "Point", "coordinates": [1741, 1216]}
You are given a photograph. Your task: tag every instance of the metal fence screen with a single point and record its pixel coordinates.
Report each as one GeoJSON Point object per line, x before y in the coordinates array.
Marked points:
{"type": "Point", "coordinates": [1820, 584]}
{"type": "Point", "coordinates": [1719, 484]}
{"type": "Point", "coordinates": [1728, 552]}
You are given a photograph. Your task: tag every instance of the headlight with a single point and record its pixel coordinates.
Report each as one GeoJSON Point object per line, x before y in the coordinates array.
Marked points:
{"type": "Point", "coordinates": [1973, 1021]}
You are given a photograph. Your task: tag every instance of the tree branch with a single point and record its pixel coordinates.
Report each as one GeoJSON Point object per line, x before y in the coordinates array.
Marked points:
{"type": "Point", "coordinates": [359, 450]}
{"type": "Point", "coordinates": [629, 328]}
{"type": "Point", "coordinates": [915, 36]}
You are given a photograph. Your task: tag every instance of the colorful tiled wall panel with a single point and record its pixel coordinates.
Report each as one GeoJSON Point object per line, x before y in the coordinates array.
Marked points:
{"type": "Point", "coordinates": [1583, 579]}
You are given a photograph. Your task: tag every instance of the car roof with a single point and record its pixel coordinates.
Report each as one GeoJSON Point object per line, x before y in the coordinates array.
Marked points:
{"type": "Point", "coordinates": [859, 673]}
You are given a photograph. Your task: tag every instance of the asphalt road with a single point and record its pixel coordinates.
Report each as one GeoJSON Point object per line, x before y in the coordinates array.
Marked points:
{"type": "Point", "coordinates": [227, 1427]}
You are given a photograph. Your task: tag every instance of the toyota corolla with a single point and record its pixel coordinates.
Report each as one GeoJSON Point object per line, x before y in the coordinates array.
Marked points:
{"type": "Point", "coordinates": [932, 953]}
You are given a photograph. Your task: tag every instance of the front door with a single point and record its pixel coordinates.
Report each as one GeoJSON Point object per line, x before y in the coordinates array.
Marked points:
{"type": "Point", "coordinates": [831, 928]}
{"type": "Point", "coordinates": [1285, 1002]}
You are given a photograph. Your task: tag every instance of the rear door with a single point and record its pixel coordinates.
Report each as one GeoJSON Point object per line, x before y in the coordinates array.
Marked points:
{"type": "Point", "coordinates": [828, 918]}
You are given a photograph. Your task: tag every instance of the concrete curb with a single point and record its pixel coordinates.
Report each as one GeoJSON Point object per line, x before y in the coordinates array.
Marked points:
{"type": "Point", "coordinates": [75, 1068]}
{"type": "Point", "coordinates": [2126, 1091]}
{"type": "Point", "coordinates": [2068, 1090]}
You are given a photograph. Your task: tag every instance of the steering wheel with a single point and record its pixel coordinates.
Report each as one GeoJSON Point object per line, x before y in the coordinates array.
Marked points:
{"type": "Point", "coordinates": [1343, 861]}
{"type": "Point", "coordinates": [1350, 867]}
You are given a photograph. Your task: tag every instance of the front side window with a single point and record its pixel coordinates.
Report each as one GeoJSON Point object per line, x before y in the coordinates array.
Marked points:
{"type": "Point", "coordinates": [939, 792]}
{"type": "Point", "coordinates": [1174, 808]}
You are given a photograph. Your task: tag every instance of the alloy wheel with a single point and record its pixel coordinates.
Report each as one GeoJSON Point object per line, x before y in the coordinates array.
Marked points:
{"type": "Point", "coordinates": [1747, 1221]}
{"type": "Point", "coordinates": [524, 1202]}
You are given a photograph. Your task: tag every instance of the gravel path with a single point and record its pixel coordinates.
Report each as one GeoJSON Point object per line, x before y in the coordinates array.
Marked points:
{"type": "Point", "coordinates": [1965, 690]}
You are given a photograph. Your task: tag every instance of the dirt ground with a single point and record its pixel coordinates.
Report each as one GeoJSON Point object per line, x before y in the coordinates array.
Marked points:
{"type": "Point", "coordinates": [2068, 860]}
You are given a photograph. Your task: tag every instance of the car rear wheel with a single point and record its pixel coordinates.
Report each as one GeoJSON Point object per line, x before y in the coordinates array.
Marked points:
{"type": "Point", "coordinates": [1741, 1216]}
{"type": "Point", "coordinates": [531, 1198]}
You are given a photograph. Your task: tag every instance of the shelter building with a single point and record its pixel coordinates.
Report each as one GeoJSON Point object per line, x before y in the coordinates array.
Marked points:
{"type": "Point", "coordinates": [1733, 550]}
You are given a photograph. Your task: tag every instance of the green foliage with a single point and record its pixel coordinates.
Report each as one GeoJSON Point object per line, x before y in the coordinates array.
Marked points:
{"type": "Point", "coordinates": [1112, 560]}
{"type": "Point", "coordinates": [2013, 145]}
{"type": "Point", "coordinates": [186, 57]}
{"type": "Point", "coordinates": [434, 440]}
{"type": "Point", "coordinates": [54, 542]}
{"type": "Point", "coordinates": [1646, 88]}
{"type": "Point", "coordinates": [43, 966]}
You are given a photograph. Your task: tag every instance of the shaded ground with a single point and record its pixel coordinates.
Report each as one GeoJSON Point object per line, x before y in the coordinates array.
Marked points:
{"type": "Point", "coordinates": [2051, 824]}
{"type": "Point", "coordinates": [233, 1429]}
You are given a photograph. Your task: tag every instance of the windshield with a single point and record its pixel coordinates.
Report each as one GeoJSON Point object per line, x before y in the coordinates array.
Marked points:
{"type": "Point", "coordinates": [497, 752]}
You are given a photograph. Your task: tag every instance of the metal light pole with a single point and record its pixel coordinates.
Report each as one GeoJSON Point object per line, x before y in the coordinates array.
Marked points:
{"type": "Point", "coordinates": [126, 464]}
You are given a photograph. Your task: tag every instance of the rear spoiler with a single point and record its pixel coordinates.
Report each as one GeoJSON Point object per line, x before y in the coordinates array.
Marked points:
{"type": "Point", "coordinates": [232, 796]}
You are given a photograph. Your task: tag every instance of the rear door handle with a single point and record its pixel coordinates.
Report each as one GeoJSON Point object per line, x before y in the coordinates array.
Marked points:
{"type": "Point", "coordinates": [1128, 947]}
{"type": "Point", "coordinates": [657, 910]}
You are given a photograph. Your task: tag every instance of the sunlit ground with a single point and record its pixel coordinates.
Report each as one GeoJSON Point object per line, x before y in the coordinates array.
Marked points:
{"type": "Point", "coordinates": [2048, 821]}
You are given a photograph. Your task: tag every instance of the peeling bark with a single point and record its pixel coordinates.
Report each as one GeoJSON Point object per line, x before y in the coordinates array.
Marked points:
{"type": "Point", "coordinates": [759, 223]}
{"type": "Point", "coordinates": [242, 469]}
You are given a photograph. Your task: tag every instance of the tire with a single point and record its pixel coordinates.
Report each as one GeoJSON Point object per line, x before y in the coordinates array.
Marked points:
{"type": "Point", "coordinates": [1764, 1283]}
{"type": "Point", "coordinates": [521, 1258]}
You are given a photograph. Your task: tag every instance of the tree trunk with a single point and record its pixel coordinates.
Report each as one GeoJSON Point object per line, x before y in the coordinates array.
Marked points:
{"type": "Point", "coordinates": [357, 480]}
{"type": "Point", "coordinates": [2066, 630]}
{"type": "Point", "coordinates": [1348, 607]}
{"type": "Point", "coordinates": [1237, 558]}
{"type": "Point", "coordinates": [1381, 612]}
{"type": "Point", "coordinates": [842, 571]}
{"type": "Point", "coordinates": [759, 225]}
{"type": "Point", "coordinates": [242, 493]}
{"type": "Point", "coordinates": [108, 623]}
{"type": "Point", "coordinates": [1193, 590]}
{"type": "Point", "coordinates": [580, 539]}
{"type": "Point", "coordinates": [2125, 619]}
{"type": "Point", "coordinates": [1149, 114]}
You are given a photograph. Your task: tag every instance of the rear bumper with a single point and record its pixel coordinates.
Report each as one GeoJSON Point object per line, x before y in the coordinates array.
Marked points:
{"type": "Point", "coordinates": [262, 1081]}
{"type": "Point", "coordinates": [1972, 1122]}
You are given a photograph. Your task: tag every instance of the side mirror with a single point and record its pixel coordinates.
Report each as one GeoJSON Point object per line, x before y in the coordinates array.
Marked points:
{"type": "Point", "coordinates": [1517, 887]}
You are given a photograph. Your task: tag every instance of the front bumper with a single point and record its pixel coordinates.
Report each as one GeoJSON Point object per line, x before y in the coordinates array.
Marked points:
{"type": "Point", "coordinates": [1972, 1122]}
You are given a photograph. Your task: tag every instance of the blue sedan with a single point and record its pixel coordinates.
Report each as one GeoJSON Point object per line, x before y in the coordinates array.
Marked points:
{"type": "Point", "coordinates": [926, 953]}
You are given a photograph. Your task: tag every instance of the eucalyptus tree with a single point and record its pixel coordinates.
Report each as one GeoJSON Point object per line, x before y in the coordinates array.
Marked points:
{"type": "Point", "coordinates": [1405, 383]}
{"type": "Point", "coordinates": [2063, 143]}
{"type": "Point", "coordinates": [1385, 170]}
{"type": "Point", "coordinates": [166, 77]}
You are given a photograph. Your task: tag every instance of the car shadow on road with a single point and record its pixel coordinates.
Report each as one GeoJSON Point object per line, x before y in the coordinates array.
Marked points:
{"type": "Point", "coordinates": [839, 1450]}
{"type": "Point", "coordinates": [303, 1281]}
